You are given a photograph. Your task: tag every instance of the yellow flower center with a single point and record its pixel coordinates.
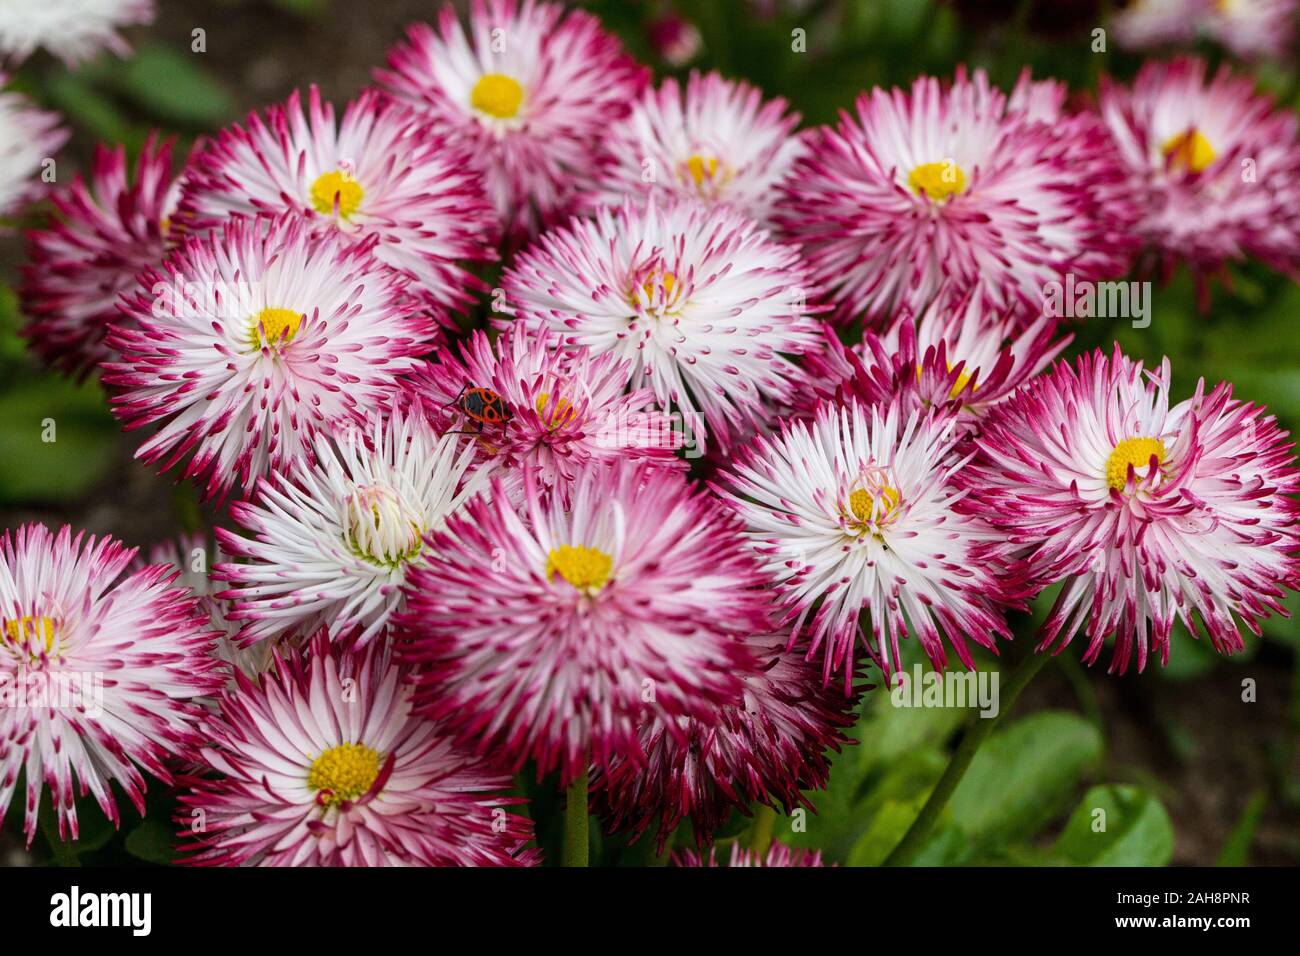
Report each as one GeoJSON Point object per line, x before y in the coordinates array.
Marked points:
{"type": "Point", "coordinates": [1136, 452]}
{"type": "Point", "coordinates": [343, 773]}
{"type": "Point", "coordinates": [1189, 152]}
{"type": "Point", "coordinates": [23, 632]}
{"type": "Point", "coordinates": [270, 324]}
{"type": "Point", "coordinates": [708, 173]}
{"type": "Point", "coordinates": [497, 95]}
{"type": "Point", "coordinates": [962, 381]}
{"type": "Point", "coordinates": [863, 503]}
{"type": "Point", "coordinates": [337, 186]}
{"type": "Point", "coordinates": [563, 409]}
{"type": "Point", "coordinates": [666, 280]}
{"type": "Point", "coordinates": [939, 181]}
{"type": "Point", "coordinates": [587, 569]}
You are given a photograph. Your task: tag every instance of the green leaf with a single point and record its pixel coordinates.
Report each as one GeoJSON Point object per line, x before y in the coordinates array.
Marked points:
{"type": "Point", "coordinates": [1236, 850]}
{"type": "Point", "coordinates": [1136, 830]}
{"type": "Point", "coordinates": [1023, 776]}
{"type": "Point", "coordinates": [151, 841]}
{"type": "Point", "coordinates": [174, 87]}
{"type": "Point", "coordinates": [87, 107]}
{"type": "Point", "coordinates": [34, 469]}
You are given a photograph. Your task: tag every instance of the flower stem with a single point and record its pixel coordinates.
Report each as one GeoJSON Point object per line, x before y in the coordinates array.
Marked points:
{"type": "Point", "coordinates": [760, 831]}
{"type": "Point", "coordinates": [575, 823]}
{"type": "Point", "coordinates": [971, 741]}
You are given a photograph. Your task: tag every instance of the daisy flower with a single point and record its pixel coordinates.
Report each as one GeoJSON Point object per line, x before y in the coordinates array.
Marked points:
{"type": "Point", "coordinates": [335, 536]}
{"type": "Point", "coordinates": [552, 634]}
{"type": "Point", "coordinates": [778, 854]}
{"type": "Point", "coordinates": [106, 233]}
{"type": "Point", "coordinates": [703, 304]}
{"type": "Point", "coordinates": [1217, 167]}
{"type": "Point", "coordinates": [564, 410]}
{"type": "Point", "coordinates": [321, 762]}
{"type": "Point", "coordinates": [677, 41]}
{"type": "Point", "coordinates": [530, 90]}
{"type": "Point", "coordinates": [957, 185]}
{"type": "Point", "coordinates": [855, 511]}
{"type": "Point", "coordinates": [380, 174]}
{"type": "Point", "coordinates": [1146, 511]}
{"type": "Point", "coordinates": [193, 557]}
{"type": "Point", "coordinates": [98, 668]}
{"type": "Point", "coordinates": [251, 339]}
{"type": "Point", "coordinates": [956, 355]}
{"type": "Point", "coordinates": [1144, 24]}
{"type": "Point", "coordinates": [769, 746]}
{"type": "Point", "coordinates": [1253, 29]}
{"type": "Point", "coordinates": [73, 30]}
{"type": "Point", "coordinates": [28, 139]}
{"type": "Point", "coordinates": [720, 142]}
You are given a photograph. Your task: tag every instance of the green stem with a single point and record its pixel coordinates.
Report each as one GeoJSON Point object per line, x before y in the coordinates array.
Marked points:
{"type": "Point", "coordinates": [575, 823]}
{"type": "Point", "coordinates": [760, 831]}
{"type": "Point", "coordinates": [976, 734]}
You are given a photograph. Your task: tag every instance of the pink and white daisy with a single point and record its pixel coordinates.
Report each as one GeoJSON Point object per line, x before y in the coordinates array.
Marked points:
{"type": "Point", "coordinates": [705, 306]}
{"type": "Point", "coordinates": [1253, 29]}
{"type": "Point", "coordinates": [335, 536]}
{"type": "Point", "coordinates": [98, 668]}
{"type": "Point", "coordinates": [1144, 24]}
{"type": "Point", "coordinates": [855, 511]}
{"type": "Point", "coordinates": [1215, 166]}
{"type": "Point", "coordinates": [566, 410]}
{"type": "Point", "coordinates": [554, 633]}
{"type": "Point", "coordinates": [717, 142]}
{"type": "Point", "coordinates": [107, 232]}
{"type": "Point", "coordinates": [193, 557]}
{"type": "Point", "coordinates": [1146, 511]}
{"type": "Point", "coordinates": [72, 30]}
{"type": "Point", "coordinates": [321, 762]}
{"type": "Point", "coordinates": [529, 90]}
{"type": "Point", "coordinates": [768, 747]}
{"type": "Point", "coordinates": [778, 854]}
{"type": "Point", "coordinates": [379, 174]}
{"type": "Point", "coordinates": [250, 340]}
{"type": "Point", "coordinates": [959, 185]}
{"type": "Point", "coordinates": [956, 355]}
{"type": "Point", "coordinates": [676, 40]}
{"type": "Point", "coordinates": [28, 139]}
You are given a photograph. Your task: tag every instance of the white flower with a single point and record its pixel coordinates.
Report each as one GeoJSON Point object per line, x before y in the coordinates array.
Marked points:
{"type": "Point", "coordinates": [334, 540]}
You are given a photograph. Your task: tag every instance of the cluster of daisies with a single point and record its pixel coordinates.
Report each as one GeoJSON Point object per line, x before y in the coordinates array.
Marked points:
{"type": "Point", "coordinates": [754, 405]}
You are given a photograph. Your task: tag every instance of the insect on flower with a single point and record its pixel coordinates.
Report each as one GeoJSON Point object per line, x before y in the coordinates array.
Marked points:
{"type": "Point", "coordinates": [482, 406]}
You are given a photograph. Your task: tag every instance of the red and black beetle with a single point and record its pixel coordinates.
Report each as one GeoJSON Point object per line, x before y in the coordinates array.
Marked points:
{"type": "Point", "coordinates": [482, 406]}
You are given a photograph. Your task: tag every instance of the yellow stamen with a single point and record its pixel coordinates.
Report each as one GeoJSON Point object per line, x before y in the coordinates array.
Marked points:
{"type": "Point", "coordinates": [587, 569]}
{"type": "Point", "coordinates": [497, 95]}
{"type": "Point", "coordinates": [341, 185]}
{"type": "Point", "coordinates": [563, 409]}
{"type": "Point", "coordinates": [271, 323]}
{"type": "Point", "coordinates": [343, 773]}
{"type": "Point", "coordinates": [1136, 452]}
{"type": "Point", "coordinates": [667, 280]}
{"type": "Point", "coordinates": [861, 503]}
{"type": "Point", "coordinates": [939, 181]}
{"type": "Point", "coordinates": [962, 381]}
{"type": "Point", "coordinates": [1189, 151]}
{"type": "Point", "coordinates": [19, 632]}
